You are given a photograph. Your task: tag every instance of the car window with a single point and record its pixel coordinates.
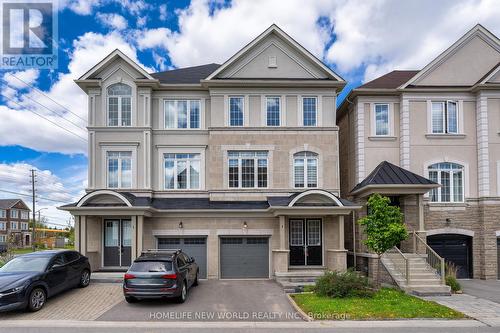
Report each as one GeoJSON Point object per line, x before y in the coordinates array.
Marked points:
{"type": "Point", "coordinates": [26, 264]}
{"type": "Point", "coordinates": [71, 256]}
{"type": "Point", "coordinates": [151, 266]}
{"type": "Point", "coordinates": [180, 261]}
{"type": "Point", "coordinates": [58, 260]}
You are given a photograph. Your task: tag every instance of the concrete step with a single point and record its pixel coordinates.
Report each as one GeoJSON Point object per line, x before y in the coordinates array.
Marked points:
{"type": "Point", "coordinates": [294, 287]}
{"type": "Point", "coordinates": [430, 290]}
{"type": "Point", "coordinates": [425, 282]}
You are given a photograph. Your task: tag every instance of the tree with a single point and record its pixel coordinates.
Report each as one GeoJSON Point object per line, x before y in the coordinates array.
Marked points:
{"type": "Point", "coordinates": [383, 226]}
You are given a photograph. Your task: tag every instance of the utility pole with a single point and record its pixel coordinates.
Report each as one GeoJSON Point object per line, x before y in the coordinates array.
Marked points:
{"type": "Point", "coordinates": [33, 175]}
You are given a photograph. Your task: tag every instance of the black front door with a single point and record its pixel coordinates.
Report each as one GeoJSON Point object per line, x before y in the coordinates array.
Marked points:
{"type": "Point", "coordinates": [305, 239]}
{"type": "Point", "coordinates": [117, 243]}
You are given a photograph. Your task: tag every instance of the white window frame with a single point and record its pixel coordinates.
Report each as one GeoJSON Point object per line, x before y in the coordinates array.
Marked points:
{"type": "Point", "coordinates": [119, 105]}
{"type": "Point", "coordinates": [452, 188]}
{"type": "Point", "coordinates": [25, 215]}
{"type": "Point", "coordinates": [188, 173]}
{"type": "Point", "coordinates": [12, 224]}
{"type": "Point", "coordinates": [280, 112]}
{"type": "Point", "coordinates": [445, 130]}
{"type": "Point", "coordinates": [306, 182]}
{"type": "Point", "coordinates": [24, 226]}
{"type": "Point", "coordinates": [3, 225]}
{"type": "Point", "coordinates": [3, 238]}
{"type": "Point", "coordinates": [120, 169]}
{"type": "Point", "coordinates": [256, 169]}
{"type": "Point", "coordinates": [302, 111]}
{"type": "Point", "coordinates": [176, 115]}
{"type": "Point", "coordinates": [243, 106]}
{"type": "Point", "coordinates": [389, 120]}
{"type": "Point", "coordinates": [12, 211]}
{"type": "Point", "coordinates": [3, 213]}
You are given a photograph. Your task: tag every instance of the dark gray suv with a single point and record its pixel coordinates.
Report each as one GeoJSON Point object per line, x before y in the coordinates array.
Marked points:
{"type": "Point", "coordinates": [159, 274]}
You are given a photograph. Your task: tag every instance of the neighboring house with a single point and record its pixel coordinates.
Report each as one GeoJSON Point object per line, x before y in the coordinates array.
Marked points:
{"type": "Point", "coordinates": [237, 164]}
{"type": "Point", "coordinates": [14, 223]}
{"type": "Point", "coordinates": [443, 123]}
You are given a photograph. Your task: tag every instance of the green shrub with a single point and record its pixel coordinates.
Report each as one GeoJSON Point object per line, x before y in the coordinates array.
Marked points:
{"type": "Point", "coordinates": [453, 283]}
{"type": "Point", "coordinates": [341, 285]}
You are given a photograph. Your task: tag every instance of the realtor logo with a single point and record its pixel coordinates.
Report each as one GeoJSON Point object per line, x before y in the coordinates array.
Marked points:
{"type": "Point", "coordinates": [29, 34]}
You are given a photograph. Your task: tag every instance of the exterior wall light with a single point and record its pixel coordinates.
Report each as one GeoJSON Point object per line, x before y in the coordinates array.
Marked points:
{"type": "Point", "coordinates": [245, 225]}
{"type": "Point", "coordinates": [181, 225]}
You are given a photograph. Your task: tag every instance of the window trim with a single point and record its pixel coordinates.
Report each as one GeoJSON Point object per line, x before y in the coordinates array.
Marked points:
{"type": "Point", "coordinates": [180, 150]}
{"type": "Point", "coordinates": [176, 115]}
{"type": "Point", "coordinates": [12, 213]}
{"type": "Point", "coordinates": [3, 213]}
{"type": "Point", "coordinates": [451, 173]}
{"type": "Point", "coordinates": [390, 120]}
{"type": "Point", "coordinates": [306, 181]}
{"type": "Point", "coordinates": [301, 108]}
{"type": "Point", "coordinates": [280, 110]}
{"type": "Point", "coordinates": [188, 173]}
{"type": "Point", "coordinates": [243, 110]}
{"type": "Point", "coordinates": [3, 225]}
{"type": "Point", "coordinates": [4, 237]}
{"type": "Point", "coordinates": [445, 117]}
{"type": "Point", "coordinates": [120, 169]}
{"type": "Point", "coordinates": [120, 104]}
{"type": "Point", "coordinates": [256, 171]}
{"type": "Point", "coordinates": [12, 224]}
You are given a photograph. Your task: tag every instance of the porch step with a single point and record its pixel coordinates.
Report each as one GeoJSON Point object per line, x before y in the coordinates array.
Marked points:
{"type": "Point", "coordinates": [295, 280]}
{"type": "Point", "coordinates": [294, 287]}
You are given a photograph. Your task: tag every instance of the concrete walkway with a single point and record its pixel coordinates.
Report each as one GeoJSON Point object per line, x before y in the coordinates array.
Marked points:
{"type": "Point", "coordinates": [487, 289]}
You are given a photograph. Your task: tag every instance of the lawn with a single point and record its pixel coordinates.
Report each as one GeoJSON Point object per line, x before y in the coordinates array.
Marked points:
{"type": "Point", "coordinates": [385, 304]}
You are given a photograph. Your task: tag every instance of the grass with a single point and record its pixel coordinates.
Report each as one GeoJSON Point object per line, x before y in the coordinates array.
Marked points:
{"type": "Point", "coordinates": [385, 304]}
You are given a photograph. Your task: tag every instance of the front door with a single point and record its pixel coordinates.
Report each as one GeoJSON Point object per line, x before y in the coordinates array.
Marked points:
{"type": "Point", "coordinates": [117, 243]}
{"type": "Point", "coordinates": [305, 242]}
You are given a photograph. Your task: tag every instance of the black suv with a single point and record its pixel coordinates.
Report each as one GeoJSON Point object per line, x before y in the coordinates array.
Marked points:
{"type": "Point", "coordinates": [160, 273]}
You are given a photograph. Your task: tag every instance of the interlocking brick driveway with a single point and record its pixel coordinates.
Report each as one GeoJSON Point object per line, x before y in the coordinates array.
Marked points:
{"type": "Point", "coordinates": [76, 304]}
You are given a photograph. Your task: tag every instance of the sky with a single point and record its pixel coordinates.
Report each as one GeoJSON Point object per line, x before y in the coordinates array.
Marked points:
{"type": "Point", "coordinates": [358, 39]}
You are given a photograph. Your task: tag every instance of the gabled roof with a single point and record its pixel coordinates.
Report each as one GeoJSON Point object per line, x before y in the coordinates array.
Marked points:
{"type": "Point", "coordinates": [187, 75]}
{"type": "Point", "coordinates": [494, 70]}
{"type": "Point", "coordinates": [275, 29]}
{"type": "Point", "coordinates": [389, 174]}
{"type": "Point", "coordinates": [111, 57]}
{"type": "Point", "coordinates": [9, 203]}
{"type": "Point", "coordinates": [477, 30]}
{"type": "Point", "coordinates": [391, 80]}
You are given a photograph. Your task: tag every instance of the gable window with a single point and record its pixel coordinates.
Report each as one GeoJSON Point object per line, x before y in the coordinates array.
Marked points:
{"type": "Point", "coordinates": [450, 176]}
{"type": "Point", "coordinates": [236, 111]}
{"type": "Point", "coordinates": [309, 111]}
{"type": "Point", "coordinates": [305, 169]}
{"type": "Point", "coordinates": [444, 117]}
{"type": "Point", "coordinates": [247, 169]}
{"type": "Point", "coordinates": [182, 114]}
{"type": "Point", "coordinates": [119, 169]}
{"type": "Point", "coordinates": [182, 171]}
{"type": "Point", "coordinates": [14, 213]}
{"type": "Point", "coordinates": [381, 119]}
{"type": "Point", "coordinates": [24, 215]}
{"type": "Point", "coordinates": [13, 225]}
{"type": "Point", "coordinates": [119, 105]}
{"type": "Point", "coordinates": [3, 213]}
{"type": "Point", "coordinates": [273, 106]}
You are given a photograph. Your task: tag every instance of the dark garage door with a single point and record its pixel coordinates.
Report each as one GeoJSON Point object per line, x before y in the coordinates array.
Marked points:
{"type": "Point", "coordinates": [195, 247]}
{"type": "Point", "coordinates": [456, 249]}
{"type": "Point", "coordinates": [244, 257]}
{"type": "Point", "coordinates": [498, 258]}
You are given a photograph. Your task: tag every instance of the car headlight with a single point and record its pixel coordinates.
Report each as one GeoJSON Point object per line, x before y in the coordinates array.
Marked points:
{"type": "Point", "coordinates": [11, 291]}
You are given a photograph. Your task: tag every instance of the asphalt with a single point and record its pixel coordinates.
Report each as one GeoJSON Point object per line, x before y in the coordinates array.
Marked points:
{"type": "Point", "coordinates": [213, 300]}
{"type": "Point", "coordinates": [487, 289]}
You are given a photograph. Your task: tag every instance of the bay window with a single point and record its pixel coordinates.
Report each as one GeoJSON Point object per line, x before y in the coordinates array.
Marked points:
{"type": "Point", "coordinates": [119, 105]}
{"type": "Point", "coordinates": [119, 166]}
{"type": "Point", "coordinates": [451, 178]}
{"type": "Point", "coordinates": [247, 169]}
{"type": "Point", "coordinates": [305, 169]}
{"type": "Point", "coordinates": [444, 117]}
{"type": "Point", "coordinates": [182, 171]}
{"type": "Point", "coordinates": [182, 114]}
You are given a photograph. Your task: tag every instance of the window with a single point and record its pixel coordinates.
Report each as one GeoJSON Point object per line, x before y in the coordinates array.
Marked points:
{"type": "Point", "coordinates": [182, 171]}
{"type": "Point", "coordinates": [247, 169]}
{"type": "Point", "coordinates": [3, 239]}
{"type": "Point", "coordinates": [119, 169]}
{"type": "Point", "coordinates": [305, 169]}
{"type": "Point", "coordinates": [24, 226]}
{"type": "Point", "coordinates": [444, 117]}
{"type": "Point", "coordinates": [13, 225]}
{"type": "Point", "coordinates": [2, 226]}
{"type": "Point", "coordinates": [24, 215]}
{"type": "Point", "coordinates": [3, 213]}
{"type": "Point", "coordinates": [450, 176]}
{"type": "Point", "coordinates": [296, 233]}
{"type": "Point", "coordinates": [309, 109]}
{"type": "Point", "coordinates": [381, 119]}
{"type": "Point", "coordinates": [236, 111]}
{"type": "Point", "coordinates": [71, 256]}
{"type": "Point", "coordinates": [273, 106]}
{"type": "Point", "coordinates": [119, 105]}
{"type": "Point", "coordinates": [14, 213]}
{"type": "Point", "coordinates": [182, 114]}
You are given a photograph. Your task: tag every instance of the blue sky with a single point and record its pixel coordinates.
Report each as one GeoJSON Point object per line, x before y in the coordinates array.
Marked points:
{"type": "Point", "coordinates": [358, 39]}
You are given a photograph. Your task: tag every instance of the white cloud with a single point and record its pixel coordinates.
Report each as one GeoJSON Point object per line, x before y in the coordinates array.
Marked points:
{"type": "Point", "coordinates": [51, 191]}
{"type": "Point", "coordinates": [82, 7]}
{"type": "Point", "coordinates": [114, 21]}
{"type": "Point", "coordinates": [163, 12]}
{"type": "Point", "coordinates": [29, 76]}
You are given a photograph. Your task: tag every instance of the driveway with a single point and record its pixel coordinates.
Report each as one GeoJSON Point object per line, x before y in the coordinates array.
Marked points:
{"type": "Point", "coordinates": [487, 289]}
{"type": "Point", "coordinates": [213, 300]}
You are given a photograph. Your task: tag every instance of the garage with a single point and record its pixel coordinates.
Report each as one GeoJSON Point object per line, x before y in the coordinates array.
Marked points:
{"type": "Point", "coordinates": [244, 257]}
{"type": "Point", "coordinates": [195, 247]}
{"type": "Point", "coordinates": [498, 258]}
{"type": "Point", "coordinates": [456, 249]}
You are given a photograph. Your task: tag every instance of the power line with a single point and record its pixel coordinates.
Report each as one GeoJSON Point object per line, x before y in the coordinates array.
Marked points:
{"type": "Point", "coordinates": [54, 123]}
{"type": "Point", "coordinates": [41, 92]}
{"type": "Point", "coordinates": [29, 195]}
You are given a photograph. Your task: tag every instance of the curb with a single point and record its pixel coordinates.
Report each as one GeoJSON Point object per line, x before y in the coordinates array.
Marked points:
{"type": "Point", "coordinates": [297, 308]}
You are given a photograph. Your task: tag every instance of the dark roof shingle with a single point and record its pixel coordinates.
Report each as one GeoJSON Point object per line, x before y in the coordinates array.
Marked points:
{"type": "Point", "coordinates": [7, 203]}
{"type": "Point", "coordinates": [188, 75]}
{"type": "Point", "coordinates": [391, 80]}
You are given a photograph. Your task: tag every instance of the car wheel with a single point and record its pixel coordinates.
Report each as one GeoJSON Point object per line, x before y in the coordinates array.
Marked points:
{"type": "Point", "coordinates": [195, 283]}
{"type": "Point", "coordinates": [84, 278]}
{"type": "Point", "coordinates": [37, 298]}
{"type": "Point", "coordinates": [183, 296]}
{"type": "Point", "coordinates": [131, 299]}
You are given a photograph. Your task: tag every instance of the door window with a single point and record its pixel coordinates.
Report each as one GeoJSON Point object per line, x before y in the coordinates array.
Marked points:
{"type": "Point", "coordinates": [111, 231]}
{"type": "Point", "coordinates": [313, 232]}
{"type": "Point", "coordinates": [296, 233]}
{"type": "Point", "coordinates": [127, 233]}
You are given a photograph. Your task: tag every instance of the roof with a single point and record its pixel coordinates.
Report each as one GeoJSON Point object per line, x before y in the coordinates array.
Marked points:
{"type": "Point", "coordinates": [391, 80]}
{"type": "Point", "coordinates": [9, 203]}
{"type": "Point", "coordinates": [389, 174]}
{"type": "Point", "coordinates": [187, 75]}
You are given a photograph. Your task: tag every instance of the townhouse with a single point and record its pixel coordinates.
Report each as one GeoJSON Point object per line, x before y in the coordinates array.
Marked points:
{"type": "Point", "coordinates": [237, 164]}
{"type": "Point", "coordinates": [14, 223]}
{"type": "Point", "coordinates": [405, 132]}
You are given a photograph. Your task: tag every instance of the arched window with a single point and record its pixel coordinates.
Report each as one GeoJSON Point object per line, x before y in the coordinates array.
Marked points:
{"type": "Point", "coordinates": [451, 178]}
{"type": "Point", "coordinates": [119, 105]}
{"type": "Point", "coordinates": [305, 169]}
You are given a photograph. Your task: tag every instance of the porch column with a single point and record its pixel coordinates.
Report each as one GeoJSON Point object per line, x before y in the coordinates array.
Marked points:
{"type": "Point", "coordinates": [336, 259]}
{"type": "Point", "coordinates": [83, 235]}
{"type": "Point", "coordinates": [341, 245]}
{"type": "Point", "coordinates": [134, 237]}
{"type": "Point", "coordinates": [280, 255]}
{"type": "Point", "coordinates": [77, 233]}
{"type": "Point", "coordinates": [420, 213]}
{"type": "Point", "coordinates": [140, 234]}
